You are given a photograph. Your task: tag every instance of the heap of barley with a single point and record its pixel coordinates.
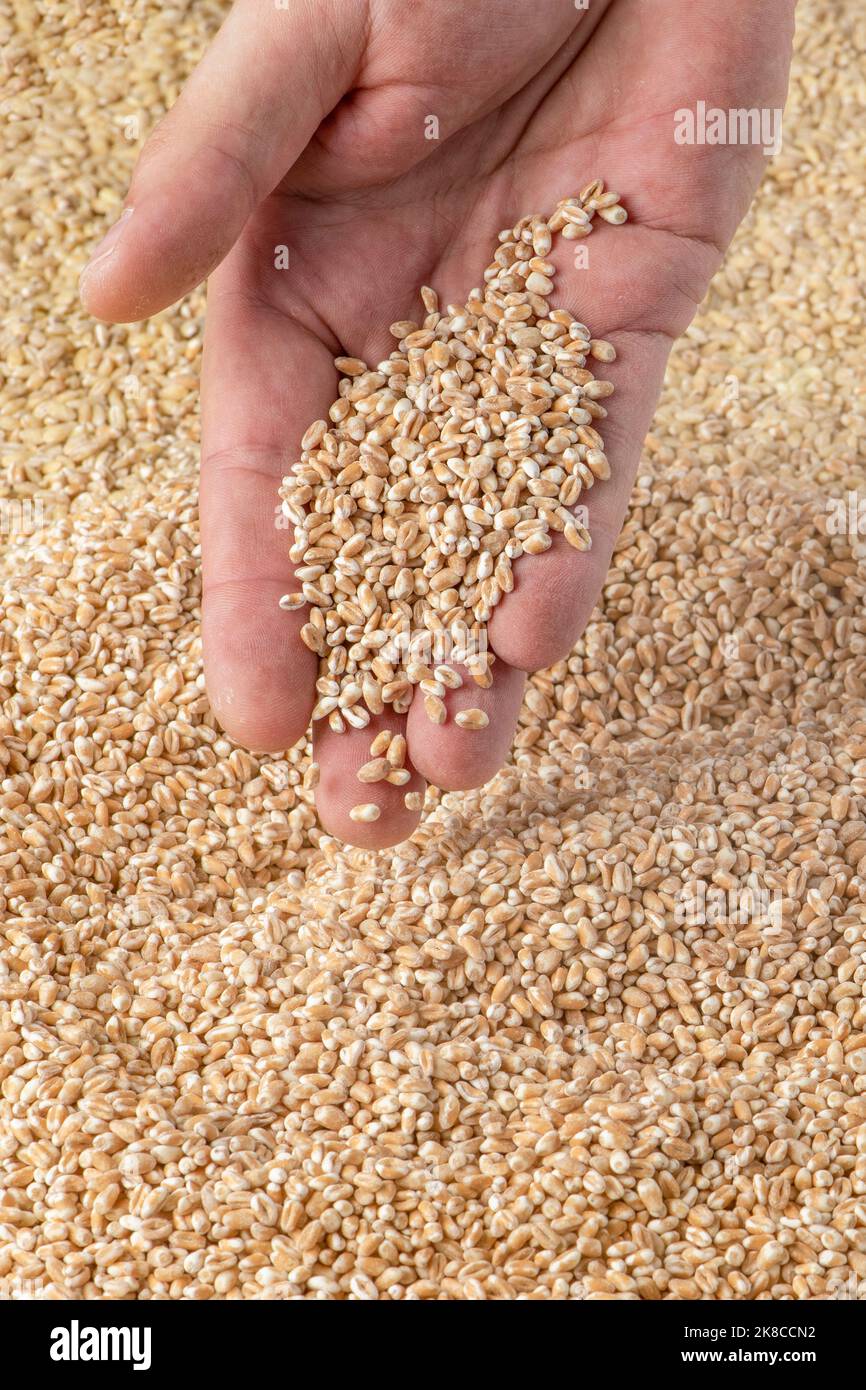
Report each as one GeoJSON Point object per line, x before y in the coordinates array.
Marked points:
{"type": "Point", "coordinates": [440, 467]}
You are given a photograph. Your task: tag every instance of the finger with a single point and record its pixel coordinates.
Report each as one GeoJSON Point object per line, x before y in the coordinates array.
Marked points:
{"type": "Point", "coordinates": [243, 118]}
{"type": "Point", "coordinates": [340, 755]}
{"type": "Point", "coordinates": [454, 757]}
{"type": "Point", "coordinates": [636, 288]}
{"type": "Point", "coordinates": [554, 593]}
{"type": "Point", "coordinates": [639, 285]}
{"type": "Point", "coordinates": [265, 379]}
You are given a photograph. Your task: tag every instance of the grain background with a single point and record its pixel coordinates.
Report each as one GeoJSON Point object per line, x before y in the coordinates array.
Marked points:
{"type": "Point", "coordinates": [507, 1059]}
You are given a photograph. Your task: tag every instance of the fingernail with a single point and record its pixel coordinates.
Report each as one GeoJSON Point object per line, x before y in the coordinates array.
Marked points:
{"type": "Point", "coordinates": [108, 245]}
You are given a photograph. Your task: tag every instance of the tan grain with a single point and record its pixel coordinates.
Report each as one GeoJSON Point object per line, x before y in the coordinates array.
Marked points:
{"type": "Point", "coordinates": [241, 1061]}
{"type": "Point", "coordinates": [464, 402]}
{"type": "Point", "coordinates": [471, 719]}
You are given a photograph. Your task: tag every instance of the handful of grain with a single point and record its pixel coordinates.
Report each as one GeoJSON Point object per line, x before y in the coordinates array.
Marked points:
{"type": "Point", "coordinates": [436, 470]}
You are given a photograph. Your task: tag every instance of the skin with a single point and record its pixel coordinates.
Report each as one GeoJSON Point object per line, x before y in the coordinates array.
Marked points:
{"type": "Point", "coordinates": [304, 127]}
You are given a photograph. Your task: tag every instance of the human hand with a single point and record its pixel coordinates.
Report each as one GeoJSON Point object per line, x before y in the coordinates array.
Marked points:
{"type": "Point", "coordinates": [304, 127]}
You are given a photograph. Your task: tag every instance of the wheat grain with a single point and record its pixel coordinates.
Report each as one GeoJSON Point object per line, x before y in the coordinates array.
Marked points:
{"type": "Point", "coordinates": [438, 469]}
{"type": "Point", "coordinates": [240, 1061]}
{"type": "Point", "coordinates": [471, 719]}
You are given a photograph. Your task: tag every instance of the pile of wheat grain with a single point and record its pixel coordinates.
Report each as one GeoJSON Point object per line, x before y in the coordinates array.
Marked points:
{"type": "Point", "coordinates": [597, 1030]}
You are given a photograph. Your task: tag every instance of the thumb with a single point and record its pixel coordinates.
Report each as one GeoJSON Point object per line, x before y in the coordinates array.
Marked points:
{"type": "Point", "coordinates": [247, 112]}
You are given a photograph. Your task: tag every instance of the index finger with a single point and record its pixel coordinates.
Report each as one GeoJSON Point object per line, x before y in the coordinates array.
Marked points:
{"type": "Point", "coordinates": [265, 379]}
